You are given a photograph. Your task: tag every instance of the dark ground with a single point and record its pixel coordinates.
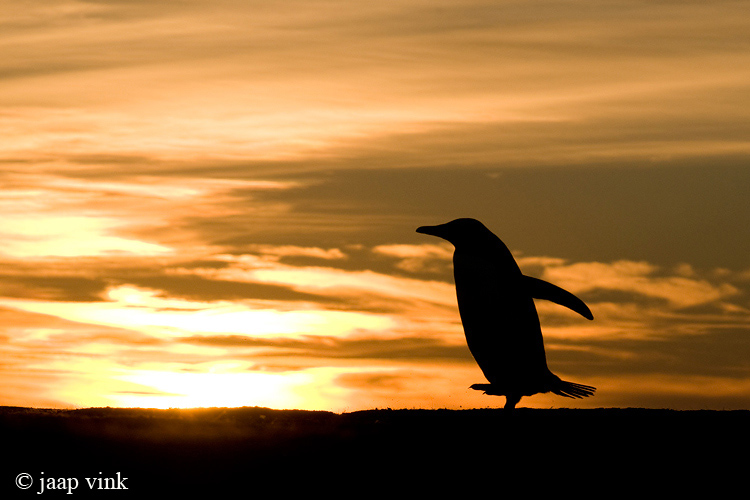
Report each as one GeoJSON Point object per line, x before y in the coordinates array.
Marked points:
{"type": "Point", "coordinates": [258, 452]}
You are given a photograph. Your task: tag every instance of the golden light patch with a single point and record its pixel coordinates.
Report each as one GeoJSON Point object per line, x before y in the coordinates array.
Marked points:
{"type": "Point", "coordinates": [45, 235]}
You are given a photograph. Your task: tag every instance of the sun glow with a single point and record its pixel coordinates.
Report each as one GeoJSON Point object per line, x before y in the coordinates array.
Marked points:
{"type": "Point", "coordinates": [219, 387]}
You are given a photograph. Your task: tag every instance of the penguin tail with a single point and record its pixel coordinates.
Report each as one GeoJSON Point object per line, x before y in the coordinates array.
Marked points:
{"type": "Point", "coordinates": [573, 390]}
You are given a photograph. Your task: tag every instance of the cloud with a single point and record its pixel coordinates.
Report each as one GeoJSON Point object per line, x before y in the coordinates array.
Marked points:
{"type": "Point", "coordinates": [331, 281]}
{"type": "Point", "coordinates": [143, 310]}
{"type": "Point", "coordinates": [418, 258]}
{"type": "Point", "coordinates": [330, 347]}
{"type": "Point", "coordinates": [297, 251]}
{"type": "Point", "coordinates": [640, 278]}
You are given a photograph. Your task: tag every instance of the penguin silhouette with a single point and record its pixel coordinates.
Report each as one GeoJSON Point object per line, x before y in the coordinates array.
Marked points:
{"type": "Point", "coordinates": [496, 305]}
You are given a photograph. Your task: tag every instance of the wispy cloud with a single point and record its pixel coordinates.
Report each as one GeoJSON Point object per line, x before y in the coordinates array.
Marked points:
{"type": "Point", "coordinates": [229, 80]}
{"type": "Point", "coordinates": [675, 289]}
{"type": "Point", "coordinates": [297, 251]}
{"type": "Point", "coordinates": [44, 215]}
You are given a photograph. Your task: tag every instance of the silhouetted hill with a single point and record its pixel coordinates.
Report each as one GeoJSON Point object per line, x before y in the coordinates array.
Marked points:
{"type": "Point", "coordinates": [259, 451]}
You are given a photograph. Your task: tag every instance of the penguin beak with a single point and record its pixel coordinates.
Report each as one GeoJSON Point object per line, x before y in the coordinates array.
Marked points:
{"type": "Point", "coordinates": [431, 230]}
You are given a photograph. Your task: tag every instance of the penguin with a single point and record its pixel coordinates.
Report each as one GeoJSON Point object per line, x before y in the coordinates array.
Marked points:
{"type": "Point", "coordinates": [496, 306]}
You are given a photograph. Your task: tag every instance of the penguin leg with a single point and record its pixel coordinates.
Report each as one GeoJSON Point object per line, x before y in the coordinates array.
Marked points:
{"type": "Point", "coordinates": [511, 400]}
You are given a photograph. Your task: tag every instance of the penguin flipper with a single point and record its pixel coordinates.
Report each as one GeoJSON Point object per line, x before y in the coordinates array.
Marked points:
{"type": "Point", "coordinates": [540, 289]}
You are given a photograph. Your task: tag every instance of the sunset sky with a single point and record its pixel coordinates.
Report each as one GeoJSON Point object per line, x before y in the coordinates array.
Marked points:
{"type": "Point", "coordinates": [214, 203]}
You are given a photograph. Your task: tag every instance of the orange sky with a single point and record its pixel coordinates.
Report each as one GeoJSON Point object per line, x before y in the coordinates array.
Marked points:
{"type": "Point", "coordinates": [214, 203]}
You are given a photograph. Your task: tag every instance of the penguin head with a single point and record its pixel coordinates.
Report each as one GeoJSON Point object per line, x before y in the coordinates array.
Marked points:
{"type": "Point", "coordinates": [460, 232]}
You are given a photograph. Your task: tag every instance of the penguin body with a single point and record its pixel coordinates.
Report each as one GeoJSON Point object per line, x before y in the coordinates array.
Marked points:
{"type": "Point", "coordinates": [496, 305]}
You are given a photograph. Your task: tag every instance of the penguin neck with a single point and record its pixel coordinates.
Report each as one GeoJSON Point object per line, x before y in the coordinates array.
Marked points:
{"type": "Point", "coordinates": [491, 255]}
